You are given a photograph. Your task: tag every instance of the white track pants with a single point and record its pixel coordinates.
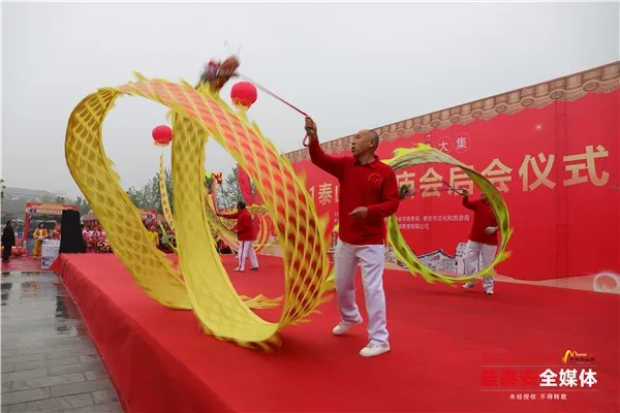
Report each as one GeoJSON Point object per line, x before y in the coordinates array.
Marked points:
{"type": "Point", "coordinates": [475, 253]}
{"type": "Point", "coordinates": [246, 250]}
{"type": "Point", "coordinates": [371, 259]}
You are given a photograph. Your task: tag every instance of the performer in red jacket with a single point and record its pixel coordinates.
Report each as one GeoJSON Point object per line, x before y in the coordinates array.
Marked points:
{"type": "Point", "coordinates": [482, 244]}
{"type": "Point", "coordinates": [245, 236]}
{"type": "Point", "coordinates": [368, 194]}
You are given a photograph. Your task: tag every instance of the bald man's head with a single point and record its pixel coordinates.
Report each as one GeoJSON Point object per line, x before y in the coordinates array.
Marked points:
{"type": "Point", "coordinates": [365, 143]}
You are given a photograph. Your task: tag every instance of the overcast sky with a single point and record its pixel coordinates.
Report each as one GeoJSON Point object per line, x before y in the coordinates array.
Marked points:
{"type": "Point", "coordinates": [350, 66]}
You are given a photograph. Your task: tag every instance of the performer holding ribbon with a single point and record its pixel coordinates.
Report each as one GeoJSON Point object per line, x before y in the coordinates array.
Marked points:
{"type": "Point", "coordinates": [369, 194]}
{"type": "Point", "coordinates": [245, 236]}
{"type": "Point", "coordinates": [482, 244]}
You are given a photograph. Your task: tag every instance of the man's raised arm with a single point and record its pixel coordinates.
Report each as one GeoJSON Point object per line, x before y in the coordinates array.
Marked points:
{"type": "Point", "coordinates": [331, 164]}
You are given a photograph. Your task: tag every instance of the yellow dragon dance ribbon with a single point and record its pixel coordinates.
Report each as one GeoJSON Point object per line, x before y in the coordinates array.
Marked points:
{"type": "Point", "coordinates": [260, 302]}
{"type": "Point", "coordinates": [207, 289]}
{"type": "Point", "coordinates": [424, 154]}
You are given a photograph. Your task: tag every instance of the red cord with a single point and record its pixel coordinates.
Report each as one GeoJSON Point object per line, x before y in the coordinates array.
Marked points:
{"type": "Point", "coordinates": [306, 141]}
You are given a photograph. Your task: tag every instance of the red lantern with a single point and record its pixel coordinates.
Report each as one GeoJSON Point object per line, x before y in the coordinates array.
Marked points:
{"type": "Point", "coordinates": [243, 94]}
{"type": "Point", "coordinates": [162, 135]}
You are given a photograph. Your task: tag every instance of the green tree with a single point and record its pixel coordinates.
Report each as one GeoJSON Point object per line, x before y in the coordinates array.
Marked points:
{"type": "Point", "coordinates": [136, 196]}
{"type": "Point", "coordinates": [152, 195]}
{"type": "Point", "coordinates": [149, 196]}
{"type": "Point", "coordinates": [229, 193]}
{"type": "Point", "coordinates": [230, 189]}
{"type": "Point", "coordinates": [82, 205]}
{"type": "Point", "coordinates": [2, 188]}
{"type": "Point", "coordinates": [169, 188]}
{"type": "Point", "coordinates": [208, 183]}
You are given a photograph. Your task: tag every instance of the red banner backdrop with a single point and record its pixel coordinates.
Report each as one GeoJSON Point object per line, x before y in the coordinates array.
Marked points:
{"type": "Point", "coordinates": [557, 167]}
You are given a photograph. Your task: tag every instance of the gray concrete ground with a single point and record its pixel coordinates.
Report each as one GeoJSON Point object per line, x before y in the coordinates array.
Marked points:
{"type": "Point", "coordinates": [49, 363]}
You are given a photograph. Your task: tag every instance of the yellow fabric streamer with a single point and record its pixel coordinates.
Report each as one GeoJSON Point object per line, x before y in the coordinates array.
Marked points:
{"type": "Point", "coordinates": [207, 289]}
{"type": "Point", "coordinates": [163, 192]}
{"type": "Point", "coordinates": [256, 303]}
{"type": "Point", "coordinates": [423, 154]}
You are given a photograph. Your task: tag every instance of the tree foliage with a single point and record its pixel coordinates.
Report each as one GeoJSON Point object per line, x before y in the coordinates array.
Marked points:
{"type": "Point", "coordinates": [148, 197]}
{"type": "Point", "coordinates": [228, 193]}
{"type": "Point", "coordinates": [82, 205]}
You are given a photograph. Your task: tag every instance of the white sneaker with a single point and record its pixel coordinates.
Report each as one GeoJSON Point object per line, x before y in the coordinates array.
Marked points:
{"type": "Point", "coordinates": [489, 291]}
{"type": "Point", "coordinates": [372, 350]}
{"type": "Point", "coordinates": [343, 327]}
{"type": "Point", "coordinates": [468, 286]}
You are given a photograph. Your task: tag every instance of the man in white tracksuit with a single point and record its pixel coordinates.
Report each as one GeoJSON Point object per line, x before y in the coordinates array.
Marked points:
{"type": "Point", "coordinates": [368, 194]}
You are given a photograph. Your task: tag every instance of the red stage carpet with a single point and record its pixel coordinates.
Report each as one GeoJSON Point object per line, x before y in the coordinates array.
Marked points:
{"type": "Point", "coordinates": [442, 339]}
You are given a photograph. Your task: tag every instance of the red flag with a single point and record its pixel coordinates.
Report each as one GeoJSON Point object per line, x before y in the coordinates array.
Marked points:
{"type": "Point", "coordinates": [244, 185]}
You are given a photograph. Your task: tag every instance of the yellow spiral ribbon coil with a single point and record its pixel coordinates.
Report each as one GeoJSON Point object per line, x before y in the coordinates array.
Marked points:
{"type": "Point", "coordinates": [424, 154]}
{"type": "Point", "coordinates": [207, 290]}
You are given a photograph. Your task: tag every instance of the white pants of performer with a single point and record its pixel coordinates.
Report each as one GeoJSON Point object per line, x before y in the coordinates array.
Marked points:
{"type": "Point", "coordinates": [476, 252]}
{"type": "Point", "coordinates": [371, 259]}
{"type": "Point", "coordinates": [246, 250]}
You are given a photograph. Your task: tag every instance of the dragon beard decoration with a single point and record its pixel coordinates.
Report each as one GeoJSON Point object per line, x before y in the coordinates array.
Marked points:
{"type": "Point", "coordinates": [204, 286]}
{"type": "Point", "coordinates": [423, 154]}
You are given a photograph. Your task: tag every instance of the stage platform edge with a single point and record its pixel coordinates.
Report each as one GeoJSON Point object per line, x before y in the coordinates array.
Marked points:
{"type": "Point", "coordinates": [160, 361]}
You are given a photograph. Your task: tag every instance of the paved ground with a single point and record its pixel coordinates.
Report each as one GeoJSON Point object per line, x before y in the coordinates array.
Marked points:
{"type": "Point", "coordinates": [49, 363]}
